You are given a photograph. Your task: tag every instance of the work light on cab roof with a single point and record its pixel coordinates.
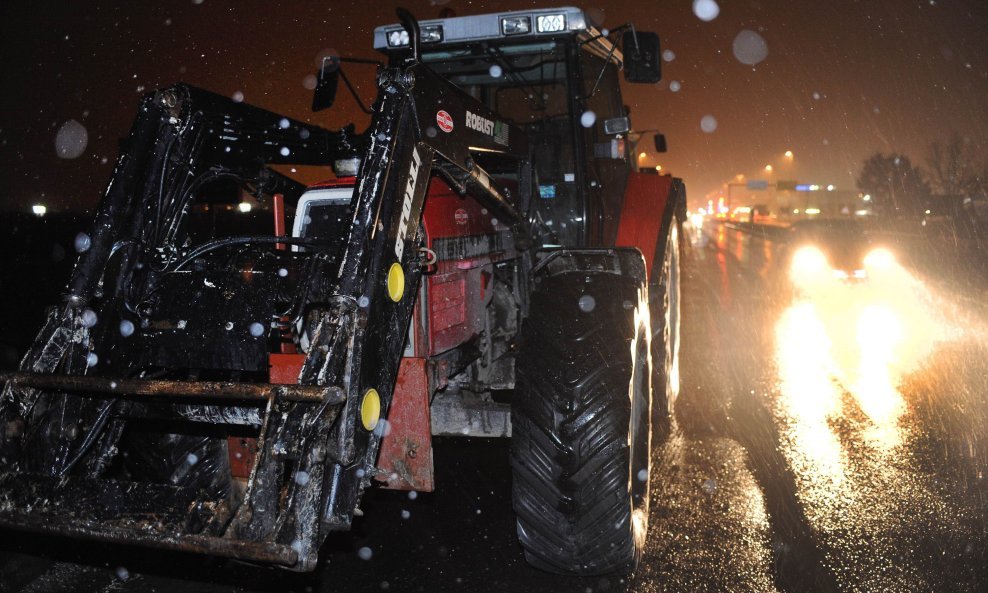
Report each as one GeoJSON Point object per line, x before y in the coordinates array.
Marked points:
{"type": "Point", "coordinates": [488, 26]}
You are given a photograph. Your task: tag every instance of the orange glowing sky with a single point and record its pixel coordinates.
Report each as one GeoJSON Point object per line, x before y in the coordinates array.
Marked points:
{"type": "Point", "coordinates": [842, 79]}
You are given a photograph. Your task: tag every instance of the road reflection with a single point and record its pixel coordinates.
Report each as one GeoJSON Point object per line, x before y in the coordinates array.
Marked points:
{"type": "Point", "coordinates": [810, 398]}
{"type": "Point", "coordinates": [879, 335]}
{"type": "Point", "coordinates": [874, 384]}
{"type": "Point", "coordinates": [843, 351]}
{"type": "Point", "coordinates": [862, 339]}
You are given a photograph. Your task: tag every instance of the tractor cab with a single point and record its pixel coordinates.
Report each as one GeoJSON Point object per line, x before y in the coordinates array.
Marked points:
{"type": "Point", "coordinates": [554, 75]}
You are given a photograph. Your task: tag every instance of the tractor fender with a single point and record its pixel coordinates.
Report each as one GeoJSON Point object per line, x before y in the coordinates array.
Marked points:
{"type": "Point", "coordinates": [650, 203]}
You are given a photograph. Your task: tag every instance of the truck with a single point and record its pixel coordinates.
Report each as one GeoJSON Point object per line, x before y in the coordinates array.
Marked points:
{"type": "Point", "coordinates": [239, 357]}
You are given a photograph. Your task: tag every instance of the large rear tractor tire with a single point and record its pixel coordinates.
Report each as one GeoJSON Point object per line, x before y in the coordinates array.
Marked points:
{"type": "Point", "coordinates": [664, 298]}
{"type": "Point", "coordinates": [581, 433]}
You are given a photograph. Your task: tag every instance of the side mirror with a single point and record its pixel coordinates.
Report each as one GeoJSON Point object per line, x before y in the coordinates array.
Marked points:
{"type": "Point", "coordinates": [642, 57]}
{"type": "Point", "coordinates": [326, 84]}
{"type": "Point", "coordinates": [616, 125]}
{"type": "Point", "coordinates": [660, 143]}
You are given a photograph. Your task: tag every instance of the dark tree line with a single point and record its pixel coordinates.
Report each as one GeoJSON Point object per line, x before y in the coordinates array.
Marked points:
{"type": "Point", "coordinates": [954, 169]}
{"type": "Point", "coordinates": [899, 188]}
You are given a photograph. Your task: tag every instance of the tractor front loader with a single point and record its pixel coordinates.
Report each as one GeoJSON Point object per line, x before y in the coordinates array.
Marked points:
{"type": "Point", "coordinates": [237, 357]}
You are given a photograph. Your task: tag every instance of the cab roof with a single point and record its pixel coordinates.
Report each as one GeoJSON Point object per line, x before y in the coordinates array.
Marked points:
{"type": "Point", "coordinates": [514, 26]}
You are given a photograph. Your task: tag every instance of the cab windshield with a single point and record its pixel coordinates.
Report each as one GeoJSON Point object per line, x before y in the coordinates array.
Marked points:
{"type": "Point", "coordinates": [528, 85]}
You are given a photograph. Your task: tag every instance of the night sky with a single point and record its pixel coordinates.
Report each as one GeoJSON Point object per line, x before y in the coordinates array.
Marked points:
{"type": "Point", "coordinates": [841, 80]}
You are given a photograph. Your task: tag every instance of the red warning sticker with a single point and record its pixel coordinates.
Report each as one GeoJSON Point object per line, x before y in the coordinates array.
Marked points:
{"type": "Point", "coordinates": [461, 216]}
{"type": "Point", "coordinates": [445, 121]}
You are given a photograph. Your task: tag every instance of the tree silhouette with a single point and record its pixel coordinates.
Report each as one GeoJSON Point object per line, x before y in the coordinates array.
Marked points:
{"type": "Point", "coordinates": [896, 186]}
{"type": "Point", "coordinates": [952, 168]}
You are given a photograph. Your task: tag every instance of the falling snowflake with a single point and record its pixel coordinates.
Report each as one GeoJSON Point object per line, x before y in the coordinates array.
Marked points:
{"type": "Point", "coordinates": [749, 47]}
{"type": "Point", "coordinates": [71, 140]}
{"type": "Point", "coordinates": [82, 243]}
{"type": "Point", "coordinates": [706, 10]}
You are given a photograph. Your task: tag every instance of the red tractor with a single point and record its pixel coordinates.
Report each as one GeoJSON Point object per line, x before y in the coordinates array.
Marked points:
{"type": "Point", "coordinates": [486, 262]}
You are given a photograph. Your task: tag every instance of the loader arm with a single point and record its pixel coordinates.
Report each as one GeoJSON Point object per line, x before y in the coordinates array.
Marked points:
{"type": "Point", "coordinates": [186, 307]}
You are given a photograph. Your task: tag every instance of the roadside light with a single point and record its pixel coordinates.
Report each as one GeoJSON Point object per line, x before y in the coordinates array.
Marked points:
{"type": "Point", "coordinates": [658, 167]}
{"type": "Point", "coordinates": [39, 209]}
{"type": "Point", "coordinates": [789, 154]}
{"type": "Point", "coordinates": [879, 259]}
{"type": "Point", "coordinates": [768, 168]}
{"type": "Point", "coordinates": [642, 155]}
{"type": "Point", "coordinates": [516, 25]}
{"type": "Point", "coordinates": [244, 207]}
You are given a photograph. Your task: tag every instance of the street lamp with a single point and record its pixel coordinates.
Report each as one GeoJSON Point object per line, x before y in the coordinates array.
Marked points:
{"type": "Point", "coordinates": [768, 168]}
{"type": "Point", "coordinates": [789, 154]}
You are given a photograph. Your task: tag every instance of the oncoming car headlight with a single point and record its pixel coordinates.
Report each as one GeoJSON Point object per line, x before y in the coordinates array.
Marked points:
{"type": "Point", "coordinates": [809, 267]}
{"type": "Point", "coordinates": [809, 260]}
{"type": "Point", "coordinates": [879, 259]}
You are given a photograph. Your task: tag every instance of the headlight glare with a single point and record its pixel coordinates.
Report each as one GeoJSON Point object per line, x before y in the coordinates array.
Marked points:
{"type": "Point", "coordinates": [809, 260]}
{"type": "Point", "coordinates": [879, 259]}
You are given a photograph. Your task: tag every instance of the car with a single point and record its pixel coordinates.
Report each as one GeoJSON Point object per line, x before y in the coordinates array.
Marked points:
{"type": "Point", "coordinates": [835, 249]}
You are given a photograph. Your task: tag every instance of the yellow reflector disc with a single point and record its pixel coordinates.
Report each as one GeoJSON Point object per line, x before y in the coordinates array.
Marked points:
{"type": "Point", "coordinates": [370, 409]}
{"type": "Point", "coordinates": [396, 282]}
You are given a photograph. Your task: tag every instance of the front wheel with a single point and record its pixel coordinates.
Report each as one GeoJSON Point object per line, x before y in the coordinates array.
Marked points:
{"type": "Point", "coordinates": [581, 431]}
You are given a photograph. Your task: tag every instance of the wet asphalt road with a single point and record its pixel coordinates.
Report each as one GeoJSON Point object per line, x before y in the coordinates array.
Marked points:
{"type": "Point", "coordinates": [804, 458]}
